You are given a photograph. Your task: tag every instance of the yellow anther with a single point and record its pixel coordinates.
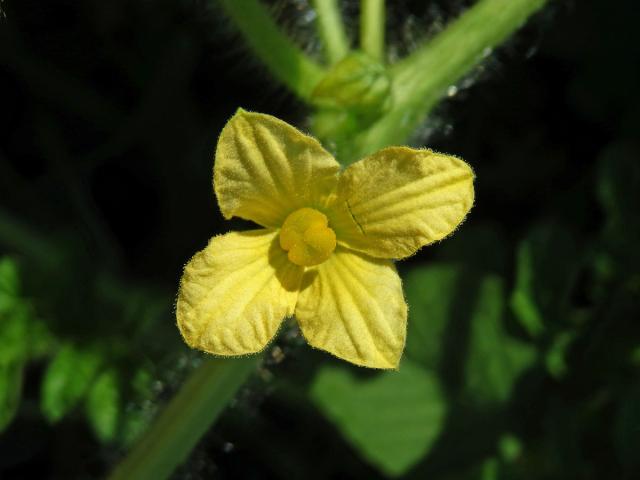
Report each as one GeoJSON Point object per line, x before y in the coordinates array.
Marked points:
{"type": "Point", "coordinates": [307, 237]}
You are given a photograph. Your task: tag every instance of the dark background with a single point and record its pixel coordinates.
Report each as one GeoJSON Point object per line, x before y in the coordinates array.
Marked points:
{"type": "Point", "coordinates": [109, 114]}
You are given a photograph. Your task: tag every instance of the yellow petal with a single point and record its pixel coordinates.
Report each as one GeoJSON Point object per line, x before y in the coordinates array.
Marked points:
{"type": "Point", "coordinates": [352, 307]}
{"type": "Point", "coordinates": [265, 169]}
{"type": "Point", "coordinates": [399, 199]}
{"type": "Point", "coordinates": [235, 293]}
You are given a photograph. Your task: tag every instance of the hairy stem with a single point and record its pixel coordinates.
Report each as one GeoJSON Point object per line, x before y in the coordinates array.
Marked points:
{"type": "Point", "coordinates": [331, 29]}
{"type": "Point", "coordinates": [204, 395]}
{"type": "Point", "coordinates": [286, 61]}
{"type": "Point", "coordinates": [421, 80]}
{"type": "Point", "coordinates": [372, 21]}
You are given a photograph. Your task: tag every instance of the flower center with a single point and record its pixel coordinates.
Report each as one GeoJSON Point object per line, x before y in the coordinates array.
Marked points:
{"type": "Point", "coordinates": [307, 237]}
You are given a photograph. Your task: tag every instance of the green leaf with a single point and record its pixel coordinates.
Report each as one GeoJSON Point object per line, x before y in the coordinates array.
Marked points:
{"type": "Point", "coordinates": [103, 405]}
{"type": "Point", "coordinates": [495, 359]}
{"type": "Point", "coordinates": [14, 334]}
{"type": "Point", "coordinates": [546, 266]}
{"type": "Point", "coordinates": [490, 469]}
{"type": "Point", "coordinates": [430, 293]}
{"type": "Point", "coordinates": [392, 419]}
{"type": "Point", "coordinates": [556, 356]}
{"type": "Point", "coordinates": [510, 447]}
{"type": "Point", "coordinates": [9, 284]}
{"type": "Point", "coordinates": [140, 412]}
{"type": "Point", "coordinates": [67, 379]}
{"type": "Point", "coordinates": [10, 391]}
{"type": "Point", "coordinates": [41, 340]}
{"type": "Point", "coordinates": [134, 424]}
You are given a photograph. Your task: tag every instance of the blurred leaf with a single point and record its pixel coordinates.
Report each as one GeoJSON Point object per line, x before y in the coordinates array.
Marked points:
{"type": "Point", "coordinates": [15, 337]}
{"type": "Point", "coordinates": [41, 340]}
{"type": "Point", "coordinates": [495, 359]}
{"type": "Point", "coordinates": [634, 357]}
{"type": "Point", "coordinates": [490, 469]}
{"type": "Point", "coordinates": [67, 380]}
{"type": "Point", "coordinates": [9, 284]}
{"type": "Point", "coordinates": [103, 405]}
{"type": "Point", "coordinates": [393, 419]}
{"type": "Point", "coordinates": [14, 334]}
{"type": "Point", "coordinates": [546, 265]}
{"type": "Point", "coordinates": [138, 415]}
{"type": "Point", "coordinates": [14, 316]}
{"type": "Point", "coordinates": [10, 391]}
{"type": "Point", "coordinates": [135, 422]}
{"type": "Point", "coordinates": [556, 356]}
{"type": "Point", "coordinates": [430, 293]}
{"type": "Point", "coordinates": [510, 447]}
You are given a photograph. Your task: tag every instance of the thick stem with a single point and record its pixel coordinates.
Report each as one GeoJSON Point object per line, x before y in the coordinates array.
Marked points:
{"type": "Point", "coordinates": [285, 60]}
{"type": "Point", "coordinates": [331, 30]}
{"type": "Point", "coordinates": [199, 402]}
{"type": "Point", "coordinates": [421, 79]}
{"type": "Point", "coordinates": [372, 22]}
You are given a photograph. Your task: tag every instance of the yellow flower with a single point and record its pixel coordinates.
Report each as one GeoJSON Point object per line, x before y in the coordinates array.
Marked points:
{"type": "Point", "coordinates": [324, 254]}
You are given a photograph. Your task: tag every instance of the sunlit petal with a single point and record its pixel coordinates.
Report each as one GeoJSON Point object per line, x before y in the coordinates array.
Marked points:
{"type": "Point", "coordinates": [265, 169]}
{"type": "Point", "coordinates": [235, 293]}
{"type": "Point", "coordinates": [400, 199]}
{"type": "Point", "coordinates": [352, 306]}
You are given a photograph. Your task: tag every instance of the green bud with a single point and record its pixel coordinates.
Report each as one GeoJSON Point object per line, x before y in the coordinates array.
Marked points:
{"type": "Point", "coordinates": [358, 83]}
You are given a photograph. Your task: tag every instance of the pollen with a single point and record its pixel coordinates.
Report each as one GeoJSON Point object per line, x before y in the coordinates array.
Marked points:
{"type": "Point", "coordinates": [307, 237]}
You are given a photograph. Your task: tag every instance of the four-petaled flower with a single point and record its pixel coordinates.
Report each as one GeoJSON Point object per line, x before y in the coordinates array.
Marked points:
{"type": "Point", "coordinates": [324, 254]}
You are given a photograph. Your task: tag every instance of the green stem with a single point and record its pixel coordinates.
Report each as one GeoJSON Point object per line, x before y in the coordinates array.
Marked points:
{"type": "Point", "coordinates": [285, 60]}
{"type": "Point", "coordinates": [196, 406]}
{"type": "Point", "coordinates": [422, 79]}
{"type": "Point", "coordinates": [331, 30]}
{"type": "Point", "coordinates": [372, 28]}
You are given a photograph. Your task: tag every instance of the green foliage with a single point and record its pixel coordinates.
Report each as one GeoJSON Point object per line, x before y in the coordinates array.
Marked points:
{"type": "Point", "coordinates": [14, 333]}
{"type": "Point", "coordinates": [458, 336]}
{"type": "Point", "coordinates": [15, 323]}
{"type": "Point", "coordinates": [8, 284]}
{"type": "Point", "coordinates": [135, 419]}
{"type": "Point", "coordinates": [443, 312]}
{"type": "Point", "coordinates": [556, 356]}
{"type": "Point", "coordinates": [546, 265]}
{"type": "Point", "coordinates": [78, 372]}
{"type": "Point", "coordinates": [103, 405]}
{"type": "Point", "coordinates": [10, 391]}
{"type": "Point", "coordinates": [67, 379]}
{"type": "Point", "coordinates": [393, 419]}
{"type": "Point", "coordinates": [13, 338]}
{"type": "Point", "coordinates": [432, 296]}
{"type": "Point", "coordinates": [495, 359]}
